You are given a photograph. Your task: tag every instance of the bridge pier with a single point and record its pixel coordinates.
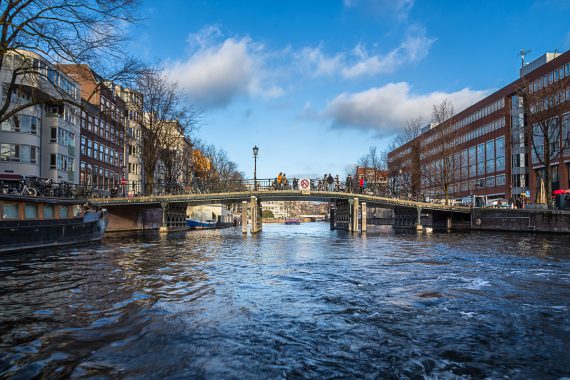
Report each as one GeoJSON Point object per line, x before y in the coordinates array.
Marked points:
{"type": "Point", "coordinates": [244, 217]}
{"type": "Point", "coordinates": [256, 218]}
{"type": "Point", "coordinates": [354, 215]}
{"type": "Point", "coordinates": [164, 225]}
{"type": "Point", "coordinates": [363, 219]}
{"type": "Point", "coordinates": [419, 226]}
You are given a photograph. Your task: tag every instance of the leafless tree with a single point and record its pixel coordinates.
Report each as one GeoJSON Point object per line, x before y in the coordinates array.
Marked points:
{"type": "Point", "coordinates": [439, 170]}
{"type": "Point", "coordinates": [222, 174]}
{"type": "Point", "coordinates": [62, 31]}
{"type": "Point", "coordinates": [167, 120]}
{"type": "Point", "coordinates": [411, 131]}
{"type": "Point", "coordinates": [547, 126]}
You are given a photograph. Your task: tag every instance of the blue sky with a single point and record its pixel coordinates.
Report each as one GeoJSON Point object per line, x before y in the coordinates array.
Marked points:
{"type": "Point", "coordinates": [315, 83]}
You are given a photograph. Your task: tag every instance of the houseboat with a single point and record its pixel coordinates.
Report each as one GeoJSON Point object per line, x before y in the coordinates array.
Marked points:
{"type": "Point", "coordinates": [195, 224]}
{"type": "Point", "coordinates": [28, 222]}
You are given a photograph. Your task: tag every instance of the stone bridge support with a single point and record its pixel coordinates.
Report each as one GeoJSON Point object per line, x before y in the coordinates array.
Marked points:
{"type": "Point", "coordinates": [173, 216]}
{"type": "Point", "coordinates": [244, 217]}
{"type": "Point", "coordinates": [407, 217]}
{"type": "Point", "coordinates": [346, 215]}
{"type": "Point", "coordinates": [256, 218]}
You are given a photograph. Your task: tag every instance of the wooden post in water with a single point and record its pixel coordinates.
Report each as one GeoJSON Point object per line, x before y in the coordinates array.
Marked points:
{"type": "Point", "coordinates": [363, 221]}
{"type": "Point", "coordinates": [419, 226]}
{"type": "Point", "coordinates": [164, 226]}
{"type": "Point", "coordinates": [355, 215]}
{"type": "Point", "coordinates": [244, 217]}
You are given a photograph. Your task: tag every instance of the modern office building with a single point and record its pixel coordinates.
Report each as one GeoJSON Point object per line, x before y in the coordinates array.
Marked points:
{"type": "Point", "coordinates": [493, 147]}
{"type": "Point", "coordinates": [41, 139]}
{"type": "Point", "coordinates": [103, 120]}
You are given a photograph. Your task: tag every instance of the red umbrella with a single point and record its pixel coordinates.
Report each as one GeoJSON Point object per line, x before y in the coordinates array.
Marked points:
{"type": "Point", "coordinates": [561, 191]}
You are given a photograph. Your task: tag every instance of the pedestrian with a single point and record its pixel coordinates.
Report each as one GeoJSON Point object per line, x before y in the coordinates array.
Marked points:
{"type": "Point", "coordinates": [284, 181]}
{"type": "Point", "coordinates": [279, 180]}
{"type": "Point", "coordinates": [330, 182]}
{"type": "Point", "coordinates": [295, 183]}
{"type": "Point", "coordinates": [364, 185]}
{"type": "Point", "coordinates": [337, 183]}
{"type": "Point", "coordinates": [361, 185]}
{"type": "Point", "coordinates": [349, 184]}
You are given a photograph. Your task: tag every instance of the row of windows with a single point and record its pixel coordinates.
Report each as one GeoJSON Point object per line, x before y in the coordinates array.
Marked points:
{"type": "Point", "coordinates": [19, 153]}
{"type": "Point", "coordinates": [471, 135]}
{"type": "Point", "coordinates": [548, 102]}
{"type": "Point", "coordinates": [482, 112]}
{"type": "Point", "coordinates": [98, 151]}
{"type": "Point", "coordinates": [550, 78]}
{"type": "Point", "coordinates": [491, 181]}
{"type": "Point", "coordinates": [94, 175]}
{"type": "Point", "coordinates": [64, 137]}
{"type": "Point", "coordinates": [102, 128]}
{"type": "Point", "coordinates": [134, 168]}
{"type": "Point", "coordinates": [61, 162]}
{"type": "Point", "coordinates": [31, 211]}
{"type": "Point", "coordinates": [22, 124]}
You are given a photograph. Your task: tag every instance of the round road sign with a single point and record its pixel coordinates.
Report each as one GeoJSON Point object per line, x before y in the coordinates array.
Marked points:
{"type": "Point", "coordinates": [305, 184]}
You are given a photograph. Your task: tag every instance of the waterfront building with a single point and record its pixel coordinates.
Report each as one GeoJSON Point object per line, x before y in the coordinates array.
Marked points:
{"type": "Point", "coordinates": [495, 147]}
{"type": "Point", "coordinates": [133, 138]}
{"type": "Point", "coordinates": [40, 140]}
{"type": "Point", "coordinates": [375, 178]}
{"type": "Point", "coordinates": [278, 208]}
{"type": "Point", "coordinates": [103, 120]}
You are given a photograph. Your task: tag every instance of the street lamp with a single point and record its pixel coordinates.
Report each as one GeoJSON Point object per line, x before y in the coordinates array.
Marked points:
{"type": "Point", "coordinates": [255, 151]}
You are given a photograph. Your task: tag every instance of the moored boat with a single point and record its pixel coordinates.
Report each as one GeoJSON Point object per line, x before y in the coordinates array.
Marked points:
{"type": "Point", "coordinates": [292, 221]}
{"type": "Point", "coordinates": [200, 224]}
{"type": "Point", "coordinates": [28, 222]}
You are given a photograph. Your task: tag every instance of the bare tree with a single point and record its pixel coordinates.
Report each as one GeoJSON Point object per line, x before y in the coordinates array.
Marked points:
{"type": "Point", "coordinates": [218, 172]}
{"type": "Point", "coordinates": [439, 170]}
{"type": "Point", "coordinates": [167, 120]}
{"type": "Point", "coordinates": [411, 131]}
{"type": "Point", "coordinates": [63, 31]}
{"type": "Point", "coordinates": [546, 124]}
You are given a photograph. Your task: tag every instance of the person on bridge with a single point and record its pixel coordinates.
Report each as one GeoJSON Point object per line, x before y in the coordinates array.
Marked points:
{"type": "Point", "coordinates": [330, 182]}
{"type": "Point", "coordinates": [295, 184]}
{"type": "Point", "coordinates": [279, 180]}
{"type": "Point", "coordinates": [361, 185]}
{"type": "Point", "coordinates": [349, 184]}
{"type": "Point", "coordinates": [284, 181]}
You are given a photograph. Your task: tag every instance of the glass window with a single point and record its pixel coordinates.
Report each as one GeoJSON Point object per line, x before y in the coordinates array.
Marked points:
{"type": "Point", "coordinates": [480, 153]}
{"type": "Point", "coordinates": [490, 181]}
{"type": "Point", "coordinates": [10, 211]}
{"type": "Point", "coordinates": [490, 166]}
{"type": "Point", "coordinates": [480, 168]}
{"type": "Point", "coordinates": [30, 211]}
{"type": "Point", "coordinates": [48, 212]}
{"type": "Point", "coordinates": [500, 180]}
{"type": "Point", "coordinates": [500, 164]}
{"type": "Point", "coordinates": [63, 211]}
{"type": "Point", "coordinates": [490, 149]}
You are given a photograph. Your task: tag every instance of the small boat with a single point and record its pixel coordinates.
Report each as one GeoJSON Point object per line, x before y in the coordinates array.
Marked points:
{"type": "Point", "coordinates": [29, 222]}
{"type": "Point", "coordinates": [292, 221]}
{"type": "Point", "coordinates": [195, 224]}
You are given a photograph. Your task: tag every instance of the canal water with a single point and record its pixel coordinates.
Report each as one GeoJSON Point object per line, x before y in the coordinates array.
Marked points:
{"type": "Point", "coordinates": [293, 302]}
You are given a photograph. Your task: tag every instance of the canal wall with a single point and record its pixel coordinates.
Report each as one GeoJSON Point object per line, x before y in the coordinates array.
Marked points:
{"type": "Point", "coordinates": [520, 220]}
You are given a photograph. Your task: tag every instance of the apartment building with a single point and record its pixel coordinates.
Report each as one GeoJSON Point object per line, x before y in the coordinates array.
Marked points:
{"type": "Point", "coordinates": [103, 119]}
{"type": "Point", "coordinates": [493, 148]}
{"type": "Point", "coordinates": [41, 139]}
{"type": "Point", "coordinates": [133, 138]}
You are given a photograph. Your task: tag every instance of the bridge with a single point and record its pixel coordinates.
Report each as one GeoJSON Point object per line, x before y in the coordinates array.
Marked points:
{"type": "Point", "coordinates": [347, 209]}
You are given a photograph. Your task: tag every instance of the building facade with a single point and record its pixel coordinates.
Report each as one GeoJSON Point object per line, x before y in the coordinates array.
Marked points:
{"type": "Point", "coordinates": [133, 138]}
{"type": "Point", "coordinates": [40, 140]}
{"type": "Point", "coordinates": [492, 147]}
{"type": "Point", "coordinates": [103, 120]}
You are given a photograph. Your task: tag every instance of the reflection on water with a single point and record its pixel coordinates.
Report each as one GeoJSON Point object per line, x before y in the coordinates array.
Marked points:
{"type": "Point", "coordinates": [294, 301]}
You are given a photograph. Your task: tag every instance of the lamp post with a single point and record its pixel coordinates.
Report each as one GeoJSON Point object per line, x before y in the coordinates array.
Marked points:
{"type": "Point", "coordinates": [255, 151]}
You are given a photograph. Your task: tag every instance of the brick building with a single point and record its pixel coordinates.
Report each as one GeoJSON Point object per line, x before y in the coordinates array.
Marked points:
{"type": "Point", "coordinates": [103, 121]}
{"type": "Point", "coordinates": [486, 149]}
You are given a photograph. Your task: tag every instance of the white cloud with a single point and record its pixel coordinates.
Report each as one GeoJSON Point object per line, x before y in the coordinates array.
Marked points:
{"type": "Point", "coordinates": [386, 109]}
{"type": "Point", "coordinates": [359, 63]}
{"type": "Point", "coordinates": [219, 71]}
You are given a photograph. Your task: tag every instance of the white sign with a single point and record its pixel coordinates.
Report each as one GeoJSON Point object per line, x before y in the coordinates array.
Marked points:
{"type": "Point", "coordinates": [305, 185]}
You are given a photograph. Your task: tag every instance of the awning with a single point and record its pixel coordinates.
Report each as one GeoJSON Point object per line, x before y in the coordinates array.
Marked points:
{"type": "Point", "coordinates": [10, 177]}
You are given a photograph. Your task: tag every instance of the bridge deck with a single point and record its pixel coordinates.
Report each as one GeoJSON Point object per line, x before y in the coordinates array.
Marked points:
{"type": "Point", "coordinates": [275, 195]}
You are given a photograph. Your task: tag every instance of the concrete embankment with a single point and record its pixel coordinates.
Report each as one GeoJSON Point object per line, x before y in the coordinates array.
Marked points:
{"type": "Point", "coordinates": [520, 220]}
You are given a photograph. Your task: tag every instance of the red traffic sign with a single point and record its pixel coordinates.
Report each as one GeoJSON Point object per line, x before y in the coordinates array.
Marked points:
{"type": "Point", "coordinates": [124, 181]}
